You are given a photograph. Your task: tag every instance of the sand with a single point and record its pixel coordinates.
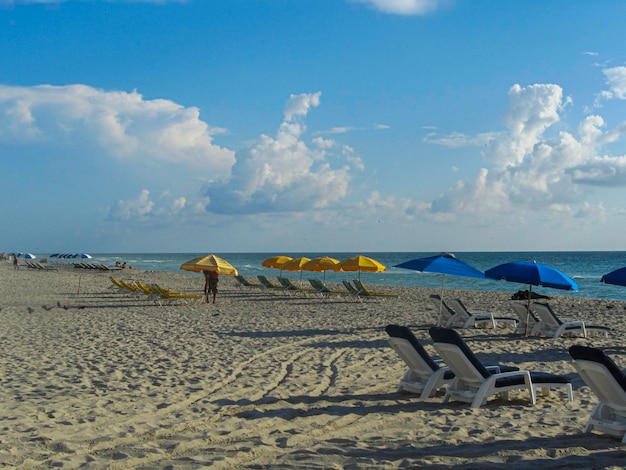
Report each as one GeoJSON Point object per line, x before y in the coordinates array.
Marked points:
{"type": "Point", "coordinates": [95, 378]}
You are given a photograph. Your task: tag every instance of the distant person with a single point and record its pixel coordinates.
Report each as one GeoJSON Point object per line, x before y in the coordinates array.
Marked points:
{"type": "Point", "coordinates": [15, 263]}
{"type": "Point", "coordinates": [211, 278]}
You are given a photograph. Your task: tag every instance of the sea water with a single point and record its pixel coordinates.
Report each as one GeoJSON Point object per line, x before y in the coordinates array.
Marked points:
{"type": "Point", "coordinates": [585, 267]}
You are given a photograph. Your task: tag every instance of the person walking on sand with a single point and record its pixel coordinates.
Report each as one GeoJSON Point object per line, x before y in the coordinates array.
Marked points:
{"type": "Point", "coordinates": [211, 278]}
{"type": "Point", "coordinates": [15, 262]}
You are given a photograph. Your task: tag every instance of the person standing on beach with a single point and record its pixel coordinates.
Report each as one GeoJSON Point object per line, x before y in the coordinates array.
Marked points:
{"type": "Point", "coordinates": [15, 263]}
{"type": "Point", "coordinates": [211, 278]}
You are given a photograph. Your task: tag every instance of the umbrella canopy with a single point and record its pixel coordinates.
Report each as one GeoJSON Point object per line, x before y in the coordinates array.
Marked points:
{"type": "Point", "coordinates": [533, 274]}
{"type": "Point", "coordinates": [275, 261]}
{"type": "Point", "coordinates": [209, 263]}
{"type": "Point", "coordinates": [617, 277]}
{"type": "Point", "coordinates": [295, 265]}
{"type": "Point", "coordinates": [443, 263]}
{"type": "Point", "coordinates": [321, 264]}
{"type": "Point", "coordinates": [360, 263]}
{"type": "Point", "coordinates": [29, 256]}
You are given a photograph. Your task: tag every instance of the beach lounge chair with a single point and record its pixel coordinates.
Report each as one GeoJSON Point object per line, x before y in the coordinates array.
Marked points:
{"type": "Point", "coordinates": [365, 292]}
{"type": "Point", "coordinates": [608, 383]}
{"type": "Point", "coordinates": [151, 292]}
{"type": "Point", "coordinates": [534, 324]}
{"type": "Point", "coordinates": [172, 296]}
{"type": "Point", "coordinates": [350, 288]}
{"type": "Point", "coordinates": [474, 383]}
{"type": "Point", "coordinates": [289, 285]}
{"type": "Point", "coordinates": [244, 282]}
{"type": "Point", "coordinates": [320, 287]}
{"type": "Point", "coordinates": [477, 319]}
{"type": "Point", "coordinates": [445, 315]}
{"type": "Point", "coordinates": [265, 282]}
{"type": "Point", "coordinates": [552, 325]}
{"type": "Point", "coordinates": [424, 376]}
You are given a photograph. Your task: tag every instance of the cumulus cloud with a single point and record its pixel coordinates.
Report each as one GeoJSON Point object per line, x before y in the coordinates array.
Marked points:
{"type": "Point", "coordinates": [121, 124]}
{"type": "Point", "coordinates": [143, 210]}
{"type": "Point", "coordinates": [283, 173]}
{"type": "Point", "coordinates": [533, 171]}
{"type": "Point", "coordinates": [403, 7]}
{"type": "Point", "coordinates": [616, 80]}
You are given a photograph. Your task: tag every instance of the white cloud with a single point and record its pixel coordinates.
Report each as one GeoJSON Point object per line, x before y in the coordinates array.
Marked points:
{"type": "Point", "coordinates": [136, 210]}
{"type": "Point", "coordinates": [616, 80]}
{"type": "Point", "coordinates": [283, 173]}
{"type": "Point", "coordinates": [534, 172]}
{"type": "Point", "coordinates": [403, 7]}
{"type": "Point", "coordinates": [117, 123]}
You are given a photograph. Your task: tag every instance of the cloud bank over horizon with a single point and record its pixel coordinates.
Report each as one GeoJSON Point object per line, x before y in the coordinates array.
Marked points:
{"type": "Point", "coordinates": [532, 165]}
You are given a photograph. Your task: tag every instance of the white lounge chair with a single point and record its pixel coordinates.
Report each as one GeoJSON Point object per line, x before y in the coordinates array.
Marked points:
{"type": "Point", "coordinates": [424, 376]}
{"type": "Point", "coordinates": [474, 383]}
{"type": "Point", "coordinates": [534, 324]}
{"type": "Point", "coordinates": [552, 325]}
{"type": "Point", "coordinates": [478, 319]}
{"type": "Point", "coordinates": [608, 383]}
{"type": "Point", "coordinates": [445, 315]}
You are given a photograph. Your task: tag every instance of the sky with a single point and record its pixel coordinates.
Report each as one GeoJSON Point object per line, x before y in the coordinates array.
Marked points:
{"type": "Point", "coordinates": [312, 126]}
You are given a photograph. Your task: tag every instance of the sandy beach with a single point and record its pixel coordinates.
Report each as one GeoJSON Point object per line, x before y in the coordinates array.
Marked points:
{"type": "Point", "coordinates": [96, 378]}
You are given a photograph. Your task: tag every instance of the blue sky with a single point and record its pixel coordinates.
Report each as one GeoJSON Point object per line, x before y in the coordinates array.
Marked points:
{"type": "Point", "coordinates": [312, 125]}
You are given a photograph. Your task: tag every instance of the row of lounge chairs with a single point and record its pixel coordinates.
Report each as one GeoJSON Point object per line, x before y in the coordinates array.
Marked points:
{"type": "Point", "coordinates": [454, 313]}
{"type": "Point", "coordinates": [542, 319]}
{"type": "Point", "coordinates": [98, 266]}
{"type": "Point", "coordinates": [39, 266]}
{"type": "Point", "coordinates": [464, 378]}
{"type": "Point", "coordinates": [355, 288]}
{"type": "Point", "coordinates": [155, 292]}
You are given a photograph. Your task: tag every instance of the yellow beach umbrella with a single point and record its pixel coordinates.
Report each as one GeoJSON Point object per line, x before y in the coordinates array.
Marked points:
{"type": "Point", "coordinates": [360, 263]}
{"type": "Point", "coordinates": [209, 263]}
{"type": "Point", "coordinates": [275, 261]}
{"type": "Point", "coordinates": [321, 264]}
{"type": "Point", "coordinates": [295, 265]}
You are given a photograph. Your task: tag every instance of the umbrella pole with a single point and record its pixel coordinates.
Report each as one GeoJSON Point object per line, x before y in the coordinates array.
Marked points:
{"type": "Point", "coordinates": [530, 291]}
{"type": "Point", "coordinates": [443, 277]}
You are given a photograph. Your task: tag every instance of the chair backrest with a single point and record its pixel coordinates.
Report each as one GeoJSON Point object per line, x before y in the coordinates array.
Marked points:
{"type": "Point", "coordinates": [459, 308]}
{"type": "Point", "coordinates": [458, 356]}
{"type": "Point", "coordinates": [522, 312]}
{"type": "Point", "coordinates": [265, 281]}
{"type": "Point", "coordinates": [317, 285]}
{"type": "Point", "coordinates": [359, 285]}
{"type": "Point", "coordinates": [350, 287]}
{"type": "Point", "coordinates": [242, 280]}
{"type": "Point", "coordinates": [404, 342]}
{"type": "Point", "coordinates": [546, 314]}
{"type": "Point", "coordinates": [601, 374]}
{"type": "Point", "coordinates": [439, 304]}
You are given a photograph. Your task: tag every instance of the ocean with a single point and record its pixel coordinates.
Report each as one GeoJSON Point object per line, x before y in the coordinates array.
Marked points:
{"type": "Point", "coordinates": [585, 267]}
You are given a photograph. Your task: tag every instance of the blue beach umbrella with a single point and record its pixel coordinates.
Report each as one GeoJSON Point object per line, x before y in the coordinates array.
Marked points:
{"type": "Point", "coordinates": [617, 277]}
{"type": "Point", "coordinates": [533, 274]}
{"type": "Point", "coordinates": [443, 263]}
